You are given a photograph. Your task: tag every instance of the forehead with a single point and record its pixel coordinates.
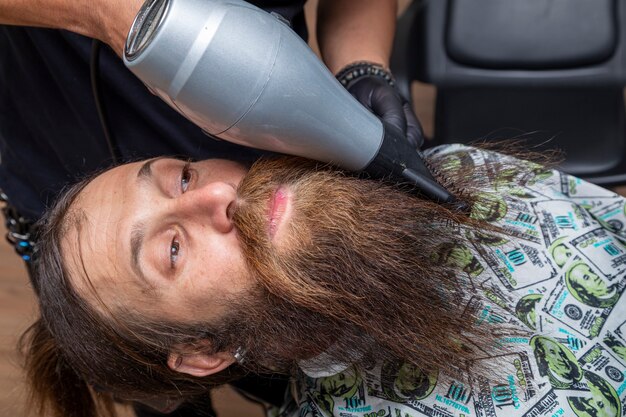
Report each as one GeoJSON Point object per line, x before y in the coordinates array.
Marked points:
{"type": "Point", "coordinates": [106, 186]}
{"type": "Point", "coordinates": [97, 218]}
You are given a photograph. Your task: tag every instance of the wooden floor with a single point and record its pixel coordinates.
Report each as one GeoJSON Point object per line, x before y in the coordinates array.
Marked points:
{"type": "Point", "coordinates": [17, 310]}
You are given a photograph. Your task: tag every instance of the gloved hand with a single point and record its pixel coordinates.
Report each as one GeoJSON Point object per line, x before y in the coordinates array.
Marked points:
{"type": "Point", "coordinates": [373, 87]}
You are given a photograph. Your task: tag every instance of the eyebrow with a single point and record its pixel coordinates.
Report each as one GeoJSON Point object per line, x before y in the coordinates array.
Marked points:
{"type": "Point", "coordinates": [145, 172]}
{"type": "Point", "coordinates": [138, 230]}
{"type": "Point", "coordinates": [137, 235]}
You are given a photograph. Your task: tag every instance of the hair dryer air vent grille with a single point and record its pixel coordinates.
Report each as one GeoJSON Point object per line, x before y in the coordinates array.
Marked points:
{"type": "Point", "coordinates": [144, 27]}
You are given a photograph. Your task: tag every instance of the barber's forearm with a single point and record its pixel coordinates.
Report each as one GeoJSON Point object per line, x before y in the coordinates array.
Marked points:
{"type": "Point", "coordinates": [107, 20]}
{"type": "Point", "coordinates": [356, 30]}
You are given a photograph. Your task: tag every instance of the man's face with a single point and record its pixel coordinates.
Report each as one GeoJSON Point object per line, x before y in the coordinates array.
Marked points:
{"type": "Point", "coordinates": [341, 383]}
{"type": "Point", "coordinates": [561, 253]}
{"type": "Point", "coordinates": [603, 402]}
{"type": "Point", "coordinates": [157, 237]}
{"type": "Point", "coordinates": [525, 309]}
{"type": "Point", "coordinates": [410, 378]}
{"type": "Point", "coordinates": [556, 358]}
{"type": "Point", "coordinates": [594, 407]}
{"type": "Point", "coordinates": [592, 283]}
{"type": "Point", "coordinates": [491, 208]}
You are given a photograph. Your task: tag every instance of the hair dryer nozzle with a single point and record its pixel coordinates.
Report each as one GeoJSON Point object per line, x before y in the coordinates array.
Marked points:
{"type": "Point", "coordinates": [433, 190]}
{"type": "Point", "coordinates": [397, 160]}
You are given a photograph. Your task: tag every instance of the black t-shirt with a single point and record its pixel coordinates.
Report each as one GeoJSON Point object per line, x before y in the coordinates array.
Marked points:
{"type": "Point", "coordinates": [50, 133]}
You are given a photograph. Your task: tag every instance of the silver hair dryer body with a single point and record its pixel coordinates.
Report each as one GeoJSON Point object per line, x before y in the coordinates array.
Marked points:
{"type": "Point", "coordinates": [242, 75]}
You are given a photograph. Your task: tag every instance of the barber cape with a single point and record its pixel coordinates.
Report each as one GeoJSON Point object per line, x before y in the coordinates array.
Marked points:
{"type": "Point", "coordinates": [558, 272]}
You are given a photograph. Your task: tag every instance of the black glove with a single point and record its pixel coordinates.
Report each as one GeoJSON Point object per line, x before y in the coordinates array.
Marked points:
{"type": "Point", "coordinates": [373, 87]}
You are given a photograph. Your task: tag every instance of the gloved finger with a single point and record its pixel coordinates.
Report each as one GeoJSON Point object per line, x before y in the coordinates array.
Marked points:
{"type": "Point", "coordinates": [414, 131]}
{"type": "Point", "coordinates": [387, 104]}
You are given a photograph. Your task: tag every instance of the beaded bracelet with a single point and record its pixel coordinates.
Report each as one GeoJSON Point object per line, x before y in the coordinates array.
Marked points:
{"type": "Point", "coordinates": [353, 72]}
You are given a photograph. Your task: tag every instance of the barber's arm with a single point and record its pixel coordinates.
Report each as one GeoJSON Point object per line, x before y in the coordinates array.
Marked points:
{"type": "Point", "coordinates": [352, 36]}
{"type": "Point", "coordinates": [106, 20]}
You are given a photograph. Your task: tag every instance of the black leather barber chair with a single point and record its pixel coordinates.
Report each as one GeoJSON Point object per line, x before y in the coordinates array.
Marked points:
{"type": "Point", "coordinates": [551, 71]}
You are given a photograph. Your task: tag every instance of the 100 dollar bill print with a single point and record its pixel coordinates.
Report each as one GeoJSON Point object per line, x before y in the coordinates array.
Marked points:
{"type": "Point", "coordinates": [601, 399]}
{"type": "Point", "coordinates": [616, 344]}
{"type": "Point", "coordinates": [612, 214]}
{"type": "Point", "coordinates": [513, 391]}
{"type": "Point", "coordinates": [518, 265]}
{"type": "Point", "coordinates": [603, 363]}
{"type": "Point", "coordinates": [561, 218]}
{"type": "Point", "coordinates": [393, 388]}
{"type": "Point", "coordinates": [583, 298]}
{"type": "Point", "coordinates": [556, 362]}
{"type": "Point", "coordinates": [602, 251]}
{"type": "Point", "coordinates": [514, 216]}
{"type": "Point", "coordinates": [583, 192]}
{"type": "Point", "coordinates": [413, 391]}
{"type": "Point", "coordinates": [615, 339]}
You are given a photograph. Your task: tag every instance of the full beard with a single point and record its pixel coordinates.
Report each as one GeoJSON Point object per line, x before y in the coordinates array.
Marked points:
{"type": "Point", "coordinates": [354, 276]}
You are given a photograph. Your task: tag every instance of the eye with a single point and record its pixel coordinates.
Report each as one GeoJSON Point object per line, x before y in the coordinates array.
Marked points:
{"type": "Point", "coordinates": [174, 251]}
{"type": "Point", "coordinates": [185, 177]}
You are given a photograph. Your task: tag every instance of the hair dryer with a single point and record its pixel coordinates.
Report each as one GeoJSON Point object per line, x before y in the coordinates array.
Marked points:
{"type": "Point", "coordinates": [242, 75]}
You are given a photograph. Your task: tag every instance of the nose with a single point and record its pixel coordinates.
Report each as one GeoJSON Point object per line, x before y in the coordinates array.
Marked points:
{"type": "Point", "coordinates": [210, 204]}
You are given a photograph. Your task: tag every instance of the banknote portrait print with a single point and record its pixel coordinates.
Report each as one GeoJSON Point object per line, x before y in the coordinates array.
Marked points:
{"type": "Point", "coordinates": [615, 345]}
{"type": "Point", "coordinates": [538, 173]}
{"type": "Point", "coordinates": [556, 362]}
{"type": "Point", "coordinates": [482, 238]}
{"type": "Point", "coordinates": [589, 288]}
{"type": "Point", "coordinates": [458, 256]}
{"type": "Point", "coordinates": [346, 387]}
{"type": "Point", "coordinates": [560, 252]}
{"type": "Point", "coordinates": [402, 381]}
{"type": "Point", "coordinates": [491, 208]}
{"type": "Point", "coordinates": [344, 384]}
{"type": "Point", "coordinates": [525, 309]}
{"type": "Point", "coordinates": [603, 400]}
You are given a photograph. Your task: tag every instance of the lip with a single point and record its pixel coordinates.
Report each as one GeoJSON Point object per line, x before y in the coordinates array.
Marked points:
{"type": "Point", "coordinates": [280, 207]}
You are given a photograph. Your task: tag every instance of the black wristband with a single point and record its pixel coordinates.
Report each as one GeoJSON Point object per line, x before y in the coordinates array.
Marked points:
{"type": "Point", "coordinates": [353, 72]}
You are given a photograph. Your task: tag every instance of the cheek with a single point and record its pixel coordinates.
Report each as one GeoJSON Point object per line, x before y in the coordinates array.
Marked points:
{"type": "Point", "coordinates": [219, 269]}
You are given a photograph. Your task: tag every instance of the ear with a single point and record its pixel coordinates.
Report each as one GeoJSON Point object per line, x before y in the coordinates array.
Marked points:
{"type": "Point", "coordinates": [199, 363]}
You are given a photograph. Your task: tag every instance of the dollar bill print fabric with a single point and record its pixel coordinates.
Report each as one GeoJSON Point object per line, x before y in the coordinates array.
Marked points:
{"type": "Point", "coordinates": [558, 271]}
